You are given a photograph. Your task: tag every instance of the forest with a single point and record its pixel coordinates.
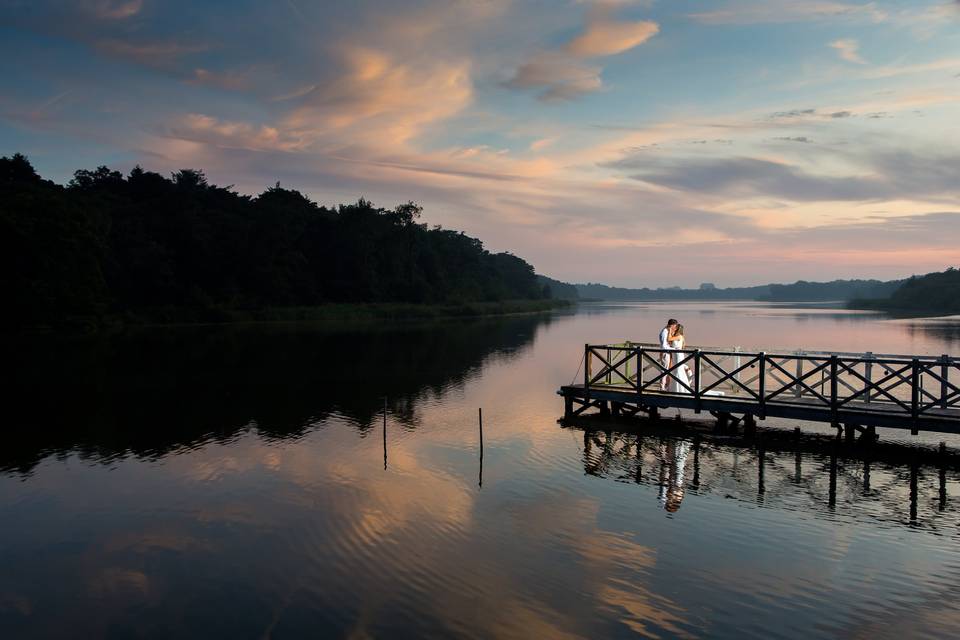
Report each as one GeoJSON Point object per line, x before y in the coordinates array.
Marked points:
{"type": "Point", "coordinates": [937, 292]}
{"type": "Point", "coordinates": [155, 248]}
{"type": "Point", "coordinates": [799, 291]}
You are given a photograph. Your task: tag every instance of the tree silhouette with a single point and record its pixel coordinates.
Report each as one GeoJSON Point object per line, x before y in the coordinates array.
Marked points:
{"type": "Point", "coordinates": [152, 246]}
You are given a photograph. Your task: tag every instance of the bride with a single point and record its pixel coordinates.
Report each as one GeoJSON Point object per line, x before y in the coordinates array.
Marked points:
{"type": "Point", "coordinates": [682, 374]}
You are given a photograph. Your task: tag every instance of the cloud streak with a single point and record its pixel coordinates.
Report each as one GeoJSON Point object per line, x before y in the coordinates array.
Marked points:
{"type": "Point", "coordinates": [564, 74]}
{"type": "Point", "coordinates": [849, 50]}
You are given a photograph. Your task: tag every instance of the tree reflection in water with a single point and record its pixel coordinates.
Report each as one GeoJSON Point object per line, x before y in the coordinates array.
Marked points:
{"type": "Point", "coordinates": [151, 391]}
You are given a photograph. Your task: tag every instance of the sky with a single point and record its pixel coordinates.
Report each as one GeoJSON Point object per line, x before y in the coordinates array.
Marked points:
{"type": "Point", "coordinates": [634, 143]}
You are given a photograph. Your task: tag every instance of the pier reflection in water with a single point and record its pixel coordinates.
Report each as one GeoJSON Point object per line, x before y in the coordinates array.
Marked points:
{"type": "Point", "coordinates": [153, 481]}
{"type": "Point", "coordinates": [888, 485]}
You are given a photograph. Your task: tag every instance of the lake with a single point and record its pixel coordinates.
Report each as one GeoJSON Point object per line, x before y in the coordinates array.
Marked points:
{"type": "Point", "coordinates": [285, 481]}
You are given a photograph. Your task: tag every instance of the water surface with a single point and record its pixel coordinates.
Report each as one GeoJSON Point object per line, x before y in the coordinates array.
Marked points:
{"type": "Point", "coordinates": [252, 482]}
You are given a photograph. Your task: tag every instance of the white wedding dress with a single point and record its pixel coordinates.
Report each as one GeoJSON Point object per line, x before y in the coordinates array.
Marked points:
{"type": "Point", "coordinates": [680, 377]}
{"type": "Point", "coordinates": [680, 373]}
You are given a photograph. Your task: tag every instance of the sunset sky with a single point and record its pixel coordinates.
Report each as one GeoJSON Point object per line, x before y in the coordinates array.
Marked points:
{"type": "Point", "coordinates": [637, 143]}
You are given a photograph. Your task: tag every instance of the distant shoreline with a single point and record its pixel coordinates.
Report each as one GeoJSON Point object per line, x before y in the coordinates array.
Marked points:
{"type": "Point", "coordinates": [897, 311]}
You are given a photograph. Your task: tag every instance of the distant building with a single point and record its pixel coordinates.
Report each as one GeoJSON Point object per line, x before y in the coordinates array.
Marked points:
{"type": "Point", "coordinates": [707, 286]}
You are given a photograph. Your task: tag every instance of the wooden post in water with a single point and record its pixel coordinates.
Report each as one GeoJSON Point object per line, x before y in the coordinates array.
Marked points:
{"type": "Point", "coordinates": [384, 433]}
{"type": "Point", "coordinates": [480, 420]}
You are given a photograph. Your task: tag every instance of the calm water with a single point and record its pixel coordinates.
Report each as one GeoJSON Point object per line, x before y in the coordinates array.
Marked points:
{"type": "Point", "coordinates": [239, 482]}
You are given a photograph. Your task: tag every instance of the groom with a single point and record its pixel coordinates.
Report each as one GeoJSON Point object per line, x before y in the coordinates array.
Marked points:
{"type": "Point", "coordinates": [665, 335]}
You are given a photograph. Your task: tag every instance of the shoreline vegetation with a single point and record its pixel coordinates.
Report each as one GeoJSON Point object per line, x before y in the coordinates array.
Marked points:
{"type": "Point", "coordinates": [933, 294]}
{"type": "Point", "coordinates": [800, 291]}
{"type": "Point", "coordinates": [111, 250]}
{"type": "Point", "coordinates": [332, 314]}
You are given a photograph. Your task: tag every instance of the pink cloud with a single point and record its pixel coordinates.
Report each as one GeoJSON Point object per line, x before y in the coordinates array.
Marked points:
{"type": "Point", "coordinates": [607, 37]}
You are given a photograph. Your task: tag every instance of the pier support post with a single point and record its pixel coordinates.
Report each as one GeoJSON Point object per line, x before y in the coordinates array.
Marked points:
{"type": "Point", "coordinates": [749, 426]}
{"type": "Point", "coordinates": [849, 433]}
{"type": "Point", "coordinates": [567, 407]}
{"type": "Point", "coordinates": [723, 421]}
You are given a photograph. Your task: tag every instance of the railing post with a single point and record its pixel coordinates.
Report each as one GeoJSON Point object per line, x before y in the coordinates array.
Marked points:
{"type": "Point", "coordinates": [587, 369]}
{"type": "Point", "coordinates": [626, 364]}
{"type": "Point", "coordinates": [640, 371]}
{"type": "Point", "coordinates": [944, 375]}
{"type": "Point", "coordinates": [696, 380]}
{"type": "Point", "coordinates": [763, 385]}
{"type": "Point", "coordinates": [915, 396]}
{"type": "Point", "coordinates": [868, 374]}
{"type": "Point", "coordinates": [736, 366]}
{"type": "Point", "coordinates": [834, 362]}
{"type": "Point", "coordinates": [797, 389]}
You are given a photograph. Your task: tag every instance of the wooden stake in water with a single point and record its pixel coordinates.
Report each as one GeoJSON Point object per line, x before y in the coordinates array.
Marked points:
{"type": "Point", "coordinates": [384, 433]}
{"type": "Point", "coordinates": [480, 418]}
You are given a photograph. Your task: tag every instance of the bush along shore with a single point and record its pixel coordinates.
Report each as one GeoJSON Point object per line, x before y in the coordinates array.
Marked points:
{"type": "Point", "coordinates": [109, 248]}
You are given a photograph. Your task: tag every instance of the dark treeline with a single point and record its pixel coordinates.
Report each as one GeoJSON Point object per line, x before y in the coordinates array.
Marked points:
{"type": "Point", "coordinates": [150, 246]}
{"type": "Point", "coordinates": [800, 291]}
{"type": "Point", "coordinates": [937, 292]}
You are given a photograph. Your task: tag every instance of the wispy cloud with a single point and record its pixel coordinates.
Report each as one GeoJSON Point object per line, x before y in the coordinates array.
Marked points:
{"type": "Point", "coordinates": [563, 74]}
{"type": "Point", "coordinates": [233, 135]}
{"type": "Point", "coordinates": [849, 50]}
{"type": "Point", "coordinates": [781, 11]}
{"type": "Point", "coordinates": [559, 77]}
{"type": "Point", "coordinates": [116, 9]}
{"type": "Point", "coordinates": [154, 54]}
{"type": "Point", "coordinates": [604, 37]}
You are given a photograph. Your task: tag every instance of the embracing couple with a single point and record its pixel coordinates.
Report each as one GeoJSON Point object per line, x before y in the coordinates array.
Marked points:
{"type": "Point", "coordinates": [671, 338]}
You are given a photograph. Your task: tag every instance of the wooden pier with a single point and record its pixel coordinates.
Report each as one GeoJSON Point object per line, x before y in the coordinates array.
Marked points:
{"type": "Point", "coordinates": [854, 392]}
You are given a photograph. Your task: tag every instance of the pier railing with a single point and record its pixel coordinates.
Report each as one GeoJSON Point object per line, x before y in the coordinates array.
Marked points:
{"type": "Point", "coordinates": [910, 387]}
